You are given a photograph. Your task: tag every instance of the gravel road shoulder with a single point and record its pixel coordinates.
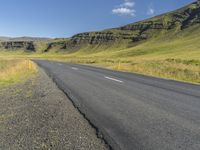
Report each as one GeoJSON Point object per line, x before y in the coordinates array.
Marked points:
{"type": "Point", "coordinates": [37, 115]}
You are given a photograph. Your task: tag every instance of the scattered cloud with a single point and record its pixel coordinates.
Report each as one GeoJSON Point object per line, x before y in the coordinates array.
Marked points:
{"type": "Point", "coordinates": [151, 10]}
{"type": "Point", "coordinates": [128, 4]}
{"type": "Point", "coordinates": [125, 9]}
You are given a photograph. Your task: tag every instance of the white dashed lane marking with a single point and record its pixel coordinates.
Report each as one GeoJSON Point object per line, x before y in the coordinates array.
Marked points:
{"type": "Point", "coordinates": [113, 79]}
{"type": "Point", "coordinates": [74, 68]}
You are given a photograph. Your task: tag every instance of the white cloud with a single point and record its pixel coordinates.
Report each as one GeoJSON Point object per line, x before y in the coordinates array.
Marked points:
{"type": "Point", "coordinates": [125, 9]}
{"type": "Point", "coordinates": [128, 4]}
{"type": "Point", "coordinates": [150, 11]}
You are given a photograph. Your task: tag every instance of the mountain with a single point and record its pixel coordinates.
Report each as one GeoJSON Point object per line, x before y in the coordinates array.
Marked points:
{"type": "Point", "coordinates": [29, 44]}
{"type": "Point", "coordinates": [166, 46]}
{"type": "Point", "coordinates": [129, 35]}
{"type": "Point", "coordinates": [3, 38]}
{"type": "Point", "coordinates": [166, 26]}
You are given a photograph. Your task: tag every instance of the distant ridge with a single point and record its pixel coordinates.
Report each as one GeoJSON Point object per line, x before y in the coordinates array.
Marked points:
{"type": "Point", "coordinates": [165, 25]}
{"type": "Point", "coordinates": [129, 35]}
{"type": "Point", "coordinates": [2, 38]}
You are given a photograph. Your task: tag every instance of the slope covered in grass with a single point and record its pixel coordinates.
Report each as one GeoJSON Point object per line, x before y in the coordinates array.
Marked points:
{"type": "Point", "coordinates": [166, 45]}
{"type": "Point", "coordinates": [173, 55]}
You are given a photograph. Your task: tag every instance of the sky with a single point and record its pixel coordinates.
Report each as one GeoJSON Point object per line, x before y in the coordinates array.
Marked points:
{"type": "Point", "coordinates": [64, 18]}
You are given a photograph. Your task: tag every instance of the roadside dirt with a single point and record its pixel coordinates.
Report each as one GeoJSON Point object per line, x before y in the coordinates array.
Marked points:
{"type": "Point", "coordinates": [36, 115]}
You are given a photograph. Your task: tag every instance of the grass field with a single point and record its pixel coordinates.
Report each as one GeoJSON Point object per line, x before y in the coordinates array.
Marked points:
{"type": "Point", "coordinates": [15, 70]}
{"type": "Point", "coordinates": [174, 55]}
{"type": "Point", "coordinates": [170, 51]}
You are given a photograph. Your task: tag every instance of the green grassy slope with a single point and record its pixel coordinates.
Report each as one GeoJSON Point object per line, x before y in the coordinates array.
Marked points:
{"type": "Point", "coordinates": [136, 33]}
{"type": "Point", "coordinates": [173, 55]}
{"type": "Point", "coordinates": [166, 46]}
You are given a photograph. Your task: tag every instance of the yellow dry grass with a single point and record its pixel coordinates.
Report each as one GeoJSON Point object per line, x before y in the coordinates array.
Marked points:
{"type": "Point", "coordinates": [14, 71]}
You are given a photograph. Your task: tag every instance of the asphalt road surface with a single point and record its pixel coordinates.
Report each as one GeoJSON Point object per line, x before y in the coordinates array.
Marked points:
{"type": "Point", "coordinates": [133, 112]}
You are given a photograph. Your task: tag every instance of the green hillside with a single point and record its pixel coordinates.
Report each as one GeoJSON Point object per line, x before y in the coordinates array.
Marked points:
{"type": "Point", "coordinates": [133, 34]}
{"type": "Point", "coordinates": [166, 46]}
{"type": "Point", "coordinates": [173, 55]}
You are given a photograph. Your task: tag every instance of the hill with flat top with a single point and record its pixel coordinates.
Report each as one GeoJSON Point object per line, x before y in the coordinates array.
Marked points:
{"type": "Point", "coordinates": [166, 45]}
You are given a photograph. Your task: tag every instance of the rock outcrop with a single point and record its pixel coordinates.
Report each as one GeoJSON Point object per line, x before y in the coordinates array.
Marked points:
{"type": "Point", "coordinates": [183, 17]}
{"type": "Point", "coordinates": [139, 31]}
{"type": "Point", "coordinates": [132, 33]}
{"type": "Point", "coordinates": [18, 45]}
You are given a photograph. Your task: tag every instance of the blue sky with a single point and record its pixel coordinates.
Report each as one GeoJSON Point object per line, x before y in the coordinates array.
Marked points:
{"type": "Point", "coordinates": [63, 18]}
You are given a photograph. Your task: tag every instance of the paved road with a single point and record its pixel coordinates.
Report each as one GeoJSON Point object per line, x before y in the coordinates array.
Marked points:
{"type": "Point", "coordinates": [133, 112]}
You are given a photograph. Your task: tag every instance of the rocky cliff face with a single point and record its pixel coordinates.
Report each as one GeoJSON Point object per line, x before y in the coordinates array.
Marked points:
{"type": "Point", "coordinates": [30, 44]}
{"type": "Point", "coordinates": [179, 19]}
{"type": "Point", "coordinates": [183, 17]}
{"type": "Point", "coordinates": [140, 31]}
{"type": "Point", "coordinates": [104, 37]}
{"type": "Point", "coordinates": [17, 45]}
{"type": "Point", "coordinates": [98, 38]}
{"type": "Point", "coordinates": [190, 16]}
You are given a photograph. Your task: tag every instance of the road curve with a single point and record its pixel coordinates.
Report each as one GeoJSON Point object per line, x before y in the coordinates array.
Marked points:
{"type": "Point", "coordinates": [133, 112]}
